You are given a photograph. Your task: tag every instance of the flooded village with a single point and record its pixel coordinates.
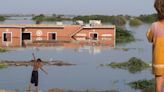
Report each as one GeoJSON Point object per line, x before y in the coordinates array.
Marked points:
{"type": "Point", "coordinates": [83, 51]}
{"type": "Point", "coordinates": [87, 49]}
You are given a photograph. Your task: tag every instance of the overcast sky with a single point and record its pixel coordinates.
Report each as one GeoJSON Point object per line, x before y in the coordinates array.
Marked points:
{"type": "Point", "coordinates": [82, 7]}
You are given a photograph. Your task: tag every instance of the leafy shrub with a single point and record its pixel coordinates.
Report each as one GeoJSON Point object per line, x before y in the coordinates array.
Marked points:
{"type": "Point", "coordinates": [123, 35]}
{"type": "Point", "coordinates": [148, 18]}
{"type": "Point", "coordinates": [133, 65]}
{"type": "Point", "coordinates": [135, 22]}
{"type": "Point", "coordinates": [2, 18]}
{"type": "Point", "coordinates": [3, 50]}
{"type": "Point", "coordinates": [144, 85]}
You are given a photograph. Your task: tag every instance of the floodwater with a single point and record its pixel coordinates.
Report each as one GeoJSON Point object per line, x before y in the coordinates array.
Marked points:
{"type": "Point", "coordinates": [87, 74]}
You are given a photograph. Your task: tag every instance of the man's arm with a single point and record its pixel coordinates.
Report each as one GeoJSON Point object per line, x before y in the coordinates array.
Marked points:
{"type": "Point", "coordinates": [44, 70]}
{"type": "Point", "coordinates": [34, 56]}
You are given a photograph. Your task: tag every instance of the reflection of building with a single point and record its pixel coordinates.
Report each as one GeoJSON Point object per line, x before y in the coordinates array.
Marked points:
{"type": "Point", "coordinates": [93, 49]}
{"type": "Point", "coordinates": [25, 34]}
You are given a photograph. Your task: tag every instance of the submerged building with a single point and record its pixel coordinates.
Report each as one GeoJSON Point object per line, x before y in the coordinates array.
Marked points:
{"type": "Point", "coordinates": [14, 35]}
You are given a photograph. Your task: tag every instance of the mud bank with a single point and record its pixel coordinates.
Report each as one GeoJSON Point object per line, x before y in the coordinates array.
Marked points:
{"type": "Point", "coordinates": [28, 63]}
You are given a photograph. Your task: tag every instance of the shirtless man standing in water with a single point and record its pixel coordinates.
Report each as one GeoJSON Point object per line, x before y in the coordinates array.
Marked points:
{"type": "Point", "coordinates": [37, 64]}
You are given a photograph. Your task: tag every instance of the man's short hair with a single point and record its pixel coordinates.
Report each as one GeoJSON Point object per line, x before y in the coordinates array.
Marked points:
{"type": "Point", "coordinates": [39, 60]}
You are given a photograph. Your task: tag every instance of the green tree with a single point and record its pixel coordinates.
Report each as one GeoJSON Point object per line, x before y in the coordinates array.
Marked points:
{"type": "Point", "coordinates": [135, 22]}
{"type": "Point", "coordinates": [123, 35]}
{"type": "Point", "coordinates": [2, 18]}
{"type": "Point", "coordinates": [40, 17]}
{"type": "Point", "coordinates": [118, 20]}
{"type": "Point", "coordinates": [148, 18]}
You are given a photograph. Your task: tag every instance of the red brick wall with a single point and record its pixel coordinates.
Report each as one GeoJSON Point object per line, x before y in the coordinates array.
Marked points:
{"type": "Point", "coordinates": [15, 40]}
{"type": "Point", "coordinates": [99, 31]}
{"type": "Point", "coordinates": [61, 33]}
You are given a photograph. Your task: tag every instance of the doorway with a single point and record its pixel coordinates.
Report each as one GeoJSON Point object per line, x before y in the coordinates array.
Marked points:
{"type": "Point", "coordinates": [94, 36]}
{"type": "Point", "coordinates": [26, 36]}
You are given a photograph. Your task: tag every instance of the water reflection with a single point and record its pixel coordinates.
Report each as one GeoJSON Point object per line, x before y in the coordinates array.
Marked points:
{"type": "Point", "coordinates": [92, 46]}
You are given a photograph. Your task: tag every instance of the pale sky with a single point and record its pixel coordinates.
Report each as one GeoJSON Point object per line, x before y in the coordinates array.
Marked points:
{"type": "Point", "coordinates": [78, 7]}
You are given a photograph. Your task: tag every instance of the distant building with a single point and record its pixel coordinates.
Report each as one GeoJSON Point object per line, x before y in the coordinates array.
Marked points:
{"type": "Point", "coordinates": [23, 34]}
{"type": "Point", "coordinates": [79, 22]}
{"type": "Point", "coordinates": [95, 22]}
